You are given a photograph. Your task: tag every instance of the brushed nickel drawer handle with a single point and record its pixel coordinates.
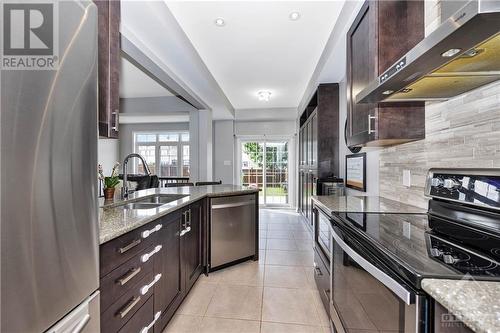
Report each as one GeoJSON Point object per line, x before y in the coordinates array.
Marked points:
{"type": "Point", "coordinates": [129, 306]}
{"type": "Point", "coordinates": [129, 246]}
{"type": "Point", "coordinates": [128, 276]}
{"type": "Point", "coordinates": [146, 329]}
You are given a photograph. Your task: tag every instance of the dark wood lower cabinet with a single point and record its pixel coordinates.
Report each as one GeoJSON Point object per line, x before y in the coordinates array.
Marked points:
{"type": "Point", "coordinates": [192, 246]}
{"type": "Point", "coordinates": [167, 261]}
{"type": "Point", "coordinates": [169, 289]}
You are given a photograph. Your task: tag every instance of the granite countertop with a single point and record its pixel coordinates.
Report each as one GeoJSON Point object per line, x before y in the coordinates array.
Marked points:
{"type": "Point", "coordinates": [476, 303]}
{"type": "Point", "coordinates": [115, 221]}
{"type": "Point", "coordinates": [358, 204]}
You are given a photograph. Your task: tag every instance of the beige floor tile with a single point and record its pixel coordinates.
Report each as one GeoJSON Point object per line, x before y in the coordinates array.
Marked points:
{"type": "Point", "coordinates": [281, 244]}
{"type": "Point", "coordinates": [309, 272]}
{"type": "Point", "coordinates": [196, 302]}
{"type": "Point", "coordinates": [223, 325]}
{"type": "Point", "coordinates": [262, 243]}
{"type": "Point", "coordinates": [213, 277]}
{"type": "Point", "coordinates": [249, 273]}
{"type": "Point", "coordinates": [323, 316]}
{"type": "Point", "coordinates": [280, 234]}
{"type": "Point", "coordinates": [286, 277]}
{"type": "Point", "coordinates": [262, 257]}
{"type": "Point", "coordinates": [280, 226]}
{"type": "Point", "coordinates": [294, 306]}
{"type": "Point", "coordinates": [268, 327]}
{"type": "Point", "coordinates": [301, 235]}
{"type": "Point", "coordinates": [183, 324]}
{"type": "Point", "coordinates": [236, 302]}
{"type": "Point", "coordinates": [289, 258]}
{"type": "Point", "coordinates": [304, 244]}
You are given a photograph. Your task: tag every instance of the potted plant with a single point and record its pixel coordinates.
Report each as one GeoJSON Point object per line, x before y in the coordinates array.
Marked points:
{"type": "Point", "coordinates": [109, 182]}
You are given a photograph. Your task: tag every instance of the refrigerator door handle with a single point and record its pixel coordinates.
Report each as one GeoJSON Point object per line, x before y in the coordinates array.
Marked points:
{"type": "Point", "coordinates": [81, 325]}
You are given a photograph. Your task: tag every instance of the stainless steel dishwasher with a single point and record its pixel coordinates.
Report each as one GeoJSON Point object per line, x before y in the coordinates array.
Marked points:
{"type": "Point", "coordinates": [232, 229]}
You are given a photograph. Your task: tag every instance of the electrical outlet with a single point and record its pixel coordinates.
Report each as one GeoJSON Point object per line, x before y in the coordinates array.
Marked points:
{"type": "Point", "coordinates": [407, 178]}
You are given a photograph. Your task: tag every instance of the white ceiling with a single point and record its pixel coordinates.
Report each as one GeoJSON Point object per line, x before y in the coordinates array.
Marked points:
{"type": "Point", "coordinates": [135, 83]}
{"type": "Point", "coordinates": [259, 48]}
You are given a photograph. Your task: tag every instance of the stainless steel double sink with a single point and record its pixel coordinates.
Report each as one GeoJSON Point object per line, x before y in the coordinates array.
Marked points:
{"type": "Point", "coordinates": [152, 201]}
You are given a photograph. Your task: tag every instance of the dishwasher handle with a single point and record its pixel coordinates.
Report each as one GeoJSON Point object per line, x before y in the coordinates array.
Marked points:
{"type": "Point", "coordinates": [235, 204]}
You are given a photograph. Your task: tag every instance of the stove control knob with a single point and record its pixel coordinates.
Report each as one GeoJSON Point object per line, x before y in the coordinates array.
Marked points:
{"type": "Point", "coordinates": [449, 259]}
{"type": "Point", "coordinates": [435, 182]}
{"type": "Point", "coordinates": [436, 252]}
{"type": "Point", "coordinates": [451, 184]}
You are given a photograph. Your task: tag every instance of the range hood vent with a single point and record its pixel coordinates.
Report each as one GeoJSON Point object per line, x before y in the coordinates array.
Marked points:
{"type": "Point", "coordinates": [462, 54]}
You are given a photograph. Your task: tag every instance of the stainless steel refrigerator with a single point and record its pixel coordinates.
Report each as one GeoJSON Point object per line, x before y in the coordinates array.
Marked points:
{"type": "Point", "coordinates": [49, 214]}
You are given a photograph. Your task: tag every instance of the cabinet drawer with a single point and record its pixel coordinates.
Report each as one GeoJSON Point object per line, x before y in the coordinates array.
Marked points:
{"type": "Point", "coordinates": [322, 279]}
{"type": "Point", "coordinates": [124, 308]}
{"type": "Point", "coordinates": [123, 278]}
{"type": "Point", "coordinates": [141, 319]}
{"type": "Point", "coordinates": [119, 250]}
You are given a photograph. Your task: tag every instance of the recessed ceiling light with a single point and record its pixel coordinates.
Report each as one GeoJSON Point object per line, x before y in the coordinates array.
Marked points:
{"type": "Point", "coordinates": [387, 92]}
{"type": "Point", "coordinates": [294, 16]}
{"type": "Point", "coordinates": [450, 53]}
{"type": "Point", "coordinates": [264, 95]}
{"type": "Point", "coordinates": [220, 22]}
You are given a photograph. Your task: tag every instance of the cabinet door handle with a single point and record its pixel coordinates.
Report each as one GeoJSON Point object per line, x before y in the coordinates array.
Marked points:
{"type": "Point", "coordinates": [129, 306]}
{"type": "Point", "coordinates": [147, 233]}
{"type": "Point", "coordinates": [145, 257]}
{"type": "Point", "coordinates": [370, 118]}
{"type": "Point", "coordinates": [117, 115]}
{"type": "Point", "coordinates": [128, 276]}
{"type": "Point", "coordinates": [144, 290]}
{"type": "Point", "coordinates": [130, 246]}
{"type": "Point", "coordinates": [146, 329]}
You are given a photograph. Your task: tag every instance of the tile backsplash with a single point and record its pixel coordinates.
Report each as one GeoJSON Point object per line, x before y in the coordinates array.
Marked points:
{"type": "Point", "coordinates": [460, 133]}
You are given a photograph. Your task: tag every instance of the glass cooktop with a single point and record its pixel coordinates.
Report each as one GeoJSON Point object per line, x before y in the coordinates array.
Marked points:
{"type": "Point", "coordinates": [406, 243]}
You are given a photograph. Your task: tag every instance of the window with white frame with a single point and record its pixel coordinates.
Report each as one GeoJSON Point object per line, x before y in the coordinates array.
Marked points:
{"type": "Point", "coordinates": [166, 153]}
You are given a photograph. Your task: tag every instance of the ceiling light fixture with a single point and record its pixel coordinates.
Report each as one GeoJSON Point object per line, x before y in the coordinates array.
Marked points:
{"type": "Point", "coordinates": [450, 53]}
{"type": "Point", "coordinates": [220, 22]}
{"type": "Point", "coordinates": [387, 92]}
{"type": "Point", "coordinates": [294, 16]}
{"type": "Point", "coordinates": [264, 95]}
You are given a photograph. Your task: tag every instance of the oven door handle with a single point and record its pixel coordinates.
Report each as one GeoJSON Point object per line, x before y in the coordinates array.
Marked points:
{"type": "Point", "coordinates": [405, 295]}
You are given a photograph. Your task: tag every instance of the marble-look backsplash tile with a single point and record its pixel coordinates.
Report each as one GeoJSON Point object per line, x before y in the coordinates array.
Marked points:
{"type": "Point", "coordinates": [460, 133]}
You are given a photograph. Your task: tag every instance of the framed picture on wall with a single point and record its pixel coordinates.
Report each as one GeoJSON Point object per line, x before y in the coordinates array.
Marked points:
{"type": "Point", "coordinates": [355, 171]}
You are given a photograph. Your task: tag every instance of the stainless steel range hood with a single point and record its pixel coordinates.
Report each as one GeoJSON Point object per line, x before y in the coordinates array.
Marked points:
{"type": "Point", "coordinates": [462, 54]}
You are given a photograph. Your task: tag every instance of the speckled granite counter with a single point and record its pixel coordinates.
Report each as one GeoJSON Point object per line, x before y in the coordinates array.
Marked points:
{"type": "Point", "coordinates": [476, 303]}
{"type": "Point", "coordinates": [368, 204]}
{"type": "Point", "coordinates": [115, 221]}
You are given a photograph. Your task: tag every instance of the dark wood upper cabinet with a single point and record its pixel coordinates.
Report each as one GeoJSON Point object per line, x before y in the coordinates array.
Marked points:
{"type": "Point", "coordinates": [109, 66]}
{"type": "Point", "coordinates": [382, 32]}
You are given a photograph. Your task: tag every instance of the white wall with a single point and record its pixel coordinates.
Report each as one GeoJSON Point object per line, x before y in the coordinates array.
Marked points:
{"type": "Point", "coordinates": [224, 151]}
{"type": "Point", "coordinates": [269, 128]}
{"type": "Point", "coordinates": [107, 154]}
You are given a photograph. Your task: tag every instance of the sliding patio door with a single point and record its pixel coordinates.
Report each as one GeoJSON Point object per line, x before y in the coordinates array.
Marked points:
{"type": "Point", "coordinates": [264, 165]}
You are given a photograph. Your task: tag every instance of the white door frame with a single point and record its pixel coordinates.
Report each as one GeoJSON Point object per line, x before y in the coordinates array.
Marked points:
{"type": "Point", "coordinates": [290, 139]}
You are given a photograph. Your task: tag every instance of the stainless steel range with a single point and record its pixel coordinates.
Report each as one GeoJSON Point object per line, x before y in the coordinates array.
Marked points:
{"type": "Point", "coordinates": [379, 260]}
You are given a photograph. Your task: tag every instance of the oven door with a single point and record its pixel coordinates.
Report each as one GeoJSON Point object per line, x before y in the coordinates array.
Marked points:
{"type": "Point", "coordinates": [366, 295]}
{"type": "Point", "coordinates": [322, 235]}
